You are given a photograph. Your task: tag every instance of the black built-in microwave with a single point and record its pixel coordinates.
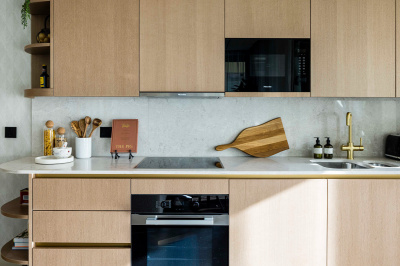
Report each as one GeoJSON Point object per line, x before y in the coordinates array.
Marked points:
{"type": "Point", "coordinates": [267, 65]}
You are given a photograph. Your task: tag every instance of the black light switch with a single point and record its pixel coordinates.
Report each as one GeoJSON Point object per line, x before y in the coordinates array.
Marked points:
{"type": "Point", "coordinates": [11, 132]}
{"type": "Point", "coordinates": [105, 132]}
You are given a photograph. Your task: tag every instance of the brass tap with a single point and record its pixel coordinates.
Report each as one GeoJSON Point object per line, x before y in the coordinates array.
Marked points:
{"type": "Point", "coordinates": [350, 148]}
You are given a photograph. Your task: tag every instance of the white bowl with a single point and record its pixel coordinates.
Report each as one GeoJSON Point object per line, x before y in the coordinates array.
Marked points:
{"type": "Point", "coordinates": [62, 152]}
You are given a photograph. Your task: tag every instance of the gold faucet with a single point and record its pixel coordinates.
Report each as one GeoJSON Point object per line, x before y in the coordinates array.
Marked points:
{"type": "Point", "coordinates": [350, 148]}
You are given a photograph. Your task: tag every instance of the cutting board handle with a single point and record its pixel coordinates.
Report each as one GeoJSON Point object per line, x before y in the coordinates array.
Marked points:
{"type": "Point", "coordinates": [223, 147]}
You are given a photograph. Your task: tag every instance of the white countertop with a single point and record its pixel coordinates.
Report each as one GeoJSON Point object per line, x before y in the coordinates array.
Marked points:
{"type": "Point", "coordinates": [234, 167]}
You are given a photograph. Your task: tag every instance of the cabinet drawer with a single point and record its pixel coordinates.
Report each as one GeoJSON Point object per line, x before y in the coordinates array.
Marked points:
{"type": "Point", "coordinates": [81, 256]}
{"type": "Point", "coordinates": [81, 226]}
{"type": "Point", "coordinates": [180, 186]}
{"type": "Point", "coordinates": [81, 194]}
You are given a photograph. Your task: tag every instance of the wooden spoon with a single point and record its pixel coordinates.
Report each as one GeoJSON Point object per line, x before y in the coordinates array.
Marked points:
{"type": "Point", "coordinates": [82, 127]}
{"type": "Point", "coordinates": [96, 123]}
{"type": "Point", "coordinates": [88, 120]}
{"type": "Point", "coordinates": [75, 128]}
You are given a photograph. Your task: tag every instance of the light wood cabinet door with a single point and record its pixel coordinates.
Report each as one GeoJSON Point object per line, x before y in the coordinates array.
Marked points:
{"type": "Point", "coordinates": [267, 18]}
{"type": "Point", "coordinates": [277, 222]}
{"type": "Point", "coordinates": [96, 48]}
{"type": "Point", "coordinates": [57, 194]}
{"type": "Point", "coordinates": [363, 222]}
{"type": "Point", "coordinates": [182, 46]}
{"type": "Point", "coordinates": [353, 48]}
{"type": "Point", "coordinates": [82, 256]}
{"type": "Point", "coordinates": [81, 226]}
{"type": "Point", "coordinates": [180, 186]}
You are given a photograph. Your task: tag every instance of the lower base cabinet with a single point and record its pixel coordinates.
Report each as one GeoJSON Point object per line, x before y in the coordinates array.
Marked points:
{"type": "Point", "coordinates": [278, 222]}
{"type": "Point", "coordinates": [363, 222]}
{"type": "Point", "coordinates": [82, 256]}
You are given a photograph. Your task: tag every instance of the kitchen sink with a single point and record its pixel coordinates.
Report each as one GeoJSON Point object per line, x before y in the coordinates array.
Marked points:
{"type": "Point", "coordinates": [341, 165]}
{"type": "Point", "coordinates": [381, 164]}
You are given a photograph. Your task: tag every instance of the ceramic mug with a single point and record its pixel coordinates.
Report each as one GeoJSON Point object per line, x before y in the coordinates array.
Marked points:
{"type": "Point", "coordinates": [83, 148]}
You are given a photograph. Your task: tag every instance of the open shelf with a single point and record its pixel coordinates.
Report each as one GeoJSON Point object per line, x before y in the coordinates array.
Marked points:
{"type": "Point", "coordinates": [40, 7]}
{"type": "Point", "coordinates": [14, 209]}
{"type": "Point", "coordinates": [38, 48]}
{"type": "Point", "coordinates": [41, 92]}
{"type": "Point", "coordinates": [14, 256]}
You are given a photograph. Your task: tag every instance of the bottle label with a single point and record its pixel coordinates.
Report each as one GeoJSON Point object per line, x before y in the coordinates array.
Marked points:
{"type": "Point", "coordinates": [317, 150]}
{"type": "Point", "coordinates": [41, 82]}
{"type": "Point", "coordinates": [328, 150]}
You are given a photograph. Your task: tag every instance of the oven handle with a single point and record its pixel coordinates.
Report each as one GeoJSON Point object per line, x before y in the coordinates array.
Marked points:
{"type": "Point", "coordinates": [177, 221]}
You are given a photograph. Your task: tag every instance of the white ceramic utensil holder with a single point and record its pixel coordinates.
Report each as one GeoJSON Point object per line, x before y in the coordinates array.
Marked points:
{"type": "Point", "coordinates": [83, 148]}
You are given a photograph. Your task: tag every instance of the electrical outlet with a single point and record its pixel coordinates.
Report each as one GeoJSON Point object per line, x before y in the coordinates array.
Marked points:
{"type": "Point", "coordinates": [105, 132]}
{"type": "Point", "coordinates": [10, 132]}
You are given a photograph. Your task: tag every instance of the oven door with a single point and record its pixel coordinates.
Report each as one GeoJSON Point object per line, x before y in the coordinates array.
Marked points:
{"type": "Point", "coordinates": [180, 240]}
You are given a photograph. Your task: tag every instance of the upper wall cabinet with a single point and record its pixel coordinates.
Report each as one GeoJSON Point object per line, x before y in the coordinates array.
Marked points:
{"type": "Point", "coordinates": [96, 48]}
{"type": "Point", "coordinates": [353, 48]}
{"type": "Point", "coordinates": [398, 48]}
{"type": "Point", "coordinates": [182, 45]}
{"type": "Point", "coordinates": [267, 18]}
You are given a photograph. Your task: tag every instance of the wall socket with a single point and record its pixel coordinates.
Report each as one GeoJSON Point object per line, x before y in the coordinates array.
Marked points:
{"type": "Point", "coordinates": [10, 132]}
{"type": "Point", "coordinates": [105, 132]}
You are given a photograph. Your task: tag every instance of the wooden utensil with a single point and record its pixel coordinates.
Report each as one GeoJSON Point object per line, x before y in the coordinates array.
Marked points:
{"type": "Point", "coordinates": [82, 127]}
{"type": "Point", "coordinates": [75, 128]}
{"type": "Point", "coordinates": [88, 120]}
{"type": "Point", "coordinates": [96, 123]}
{"type": "Point", "coordinates": [260, 141]}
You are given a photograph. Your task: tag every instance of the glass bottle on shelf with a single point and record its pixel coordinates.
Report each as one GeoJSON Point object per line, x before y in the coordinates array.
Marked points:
{"type": "Point", "coordinates": [48, 138]}
{"type": "Point", "coordinates": [60, 137]}
{"type": "Point", "coordinates": [44, 78]}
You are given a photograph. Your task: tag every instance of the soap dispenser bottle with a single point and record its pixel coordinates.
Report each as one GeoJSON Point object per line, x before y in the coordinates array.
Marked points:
{"type": "Point", "coordinates": [328, 149]}
{"type": "Point", "coordinates": [317, 149]}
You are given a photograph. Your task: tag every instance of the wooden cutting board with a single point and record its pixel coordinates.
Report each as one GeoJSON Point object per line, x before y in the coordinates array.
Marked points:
{"type": "Point", "coordinates": [260, 141]}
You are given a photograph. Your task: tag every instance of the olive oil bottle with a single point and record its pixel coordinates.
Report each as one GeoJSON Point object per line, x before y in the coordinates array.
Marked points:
{"type": "Point", "coordinates": [44, 78]}
{"type": "Point", "coordinates": [328, 149]}
{"type": "Point", "coordinates": [317, 149]}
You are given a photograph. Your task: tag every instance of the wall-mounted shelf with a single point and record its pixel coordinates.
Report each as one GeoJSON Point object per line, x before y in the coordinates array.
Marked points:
{"type": "Point", "coordinates": [14, 209]}
{"type": "Point", "coordinates": [38, 48]}
{"type": "Point", "coordinates": [40, 7]}
{"type": "Point", "coordinates": [32, 93]}
{"type": "Point", "coordinates": [14, 256]}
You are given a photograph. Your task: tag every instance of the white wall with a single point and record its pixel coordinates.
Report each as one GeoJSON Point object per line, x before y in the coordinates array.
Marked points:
{"type": "Point", "coordinates": [15, 110]}
{"type": "Point", "coordinates": [193, 127]}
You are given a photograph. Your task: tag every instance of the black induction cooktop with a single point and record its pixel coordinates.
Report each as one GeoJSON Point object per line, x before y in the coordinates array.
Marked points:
{"type": "Point", "coordinates": [180, 163]}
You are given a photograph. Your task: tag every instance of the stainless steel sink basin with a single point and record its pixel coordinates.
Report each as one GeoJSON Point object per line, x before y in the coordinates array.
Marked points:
{"type": "Point", "coordinates": [341, 165]}
{"type": "Point", "coordinates": [380, 164]}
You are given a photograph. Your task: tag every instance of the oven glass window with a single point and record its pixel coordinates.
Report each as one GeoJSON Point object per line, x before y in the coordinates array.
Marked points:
{"type": "Point", "coordinates": [180, 246]}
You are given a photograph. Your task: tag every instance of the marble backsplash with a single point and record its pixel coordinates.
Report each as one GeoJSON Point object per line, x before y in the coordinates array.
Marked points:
{"type": "Point", "coordinates": [193, 127]}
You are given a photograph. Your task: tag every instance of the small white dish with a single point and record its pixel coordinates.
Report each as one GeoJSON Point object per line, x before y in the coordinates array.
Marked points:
{"type": "Point", "coordinates": [62, 153]}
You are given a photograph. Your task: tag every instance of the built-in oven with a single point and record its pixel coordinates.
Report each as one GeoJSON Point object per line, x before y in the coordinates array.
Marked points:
{"type": "Point", "coordinates": [180, 230]}
{"type": "Point", "coordinates": [267, 65]}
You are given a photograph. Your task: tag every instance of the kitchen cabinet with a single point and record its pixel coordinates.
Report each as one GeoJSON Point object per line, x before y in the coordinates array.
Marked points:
{"type": "Point", "coordinates": [363, 222]}
{"type": "Point", "coordinates": [353, 48]}
{"type": "Point", "coordinates": [267, 19]}
{"type": "Point", "coordinates": [180, 186]}
{"type": "Point", "coordinates": [277, 222]}
{"type": "Point", "coordinates": [96, 48]}
{"type": "Point", "coordinates": [182, 46]}
{"type": "Point", "coordinates": [397, 48]}
{"type": "Point", "coordinates": [82, 226]}
{"type": "Point", "coordinates": [81, 194]}
{"type": "Point", "coordinates": [82, 256]}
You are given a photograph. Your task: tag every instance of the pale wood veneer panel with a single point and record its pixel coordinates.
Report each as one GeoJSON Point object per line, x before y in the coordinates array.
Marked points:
{"type": "Point", "coordinates": [363, 222]}
{"type": "Point", "coordinates": [180, 186]}
{"type": "Point", "coordinates": [267, 18]}
{"type": "Point", "coordinates": [182, 46]}
{"type": "Point", "coordinates": [82, 256]}
{"type": "Point", "coordinates": [82, 226]}
{"type": "Point", "coordinates": [353, 48]}
{"type": "Point", "coordinates": [277, 222]}
{"type": "Point", "coordinates": [81, 194]}
{"type": "Point", "coordinates": [96, 48]}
